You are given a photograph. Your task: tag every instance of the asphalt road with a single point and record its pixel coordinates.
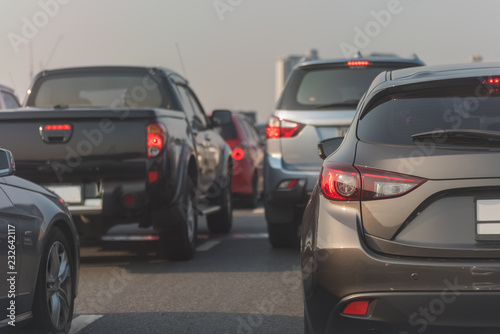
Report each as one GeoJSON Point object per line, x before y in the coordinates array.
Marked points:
{"type": "Point", "coordinates": [236, 283]}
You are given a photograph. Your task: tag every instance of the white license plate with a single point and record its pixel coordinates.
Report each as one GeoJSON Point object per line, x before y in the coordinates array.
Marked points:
{"type": "Point", "coordinates": [488, 216]}
{"type": "Point", "coordinates": [70, 194]}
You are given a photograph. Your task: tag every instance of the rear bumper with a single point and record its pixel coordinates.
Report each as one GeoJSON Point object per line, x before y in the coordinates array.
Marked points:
{"type": "Point", "coordinates": [275, 173]}
{"type": "Point", "coordinates": [406, 294]}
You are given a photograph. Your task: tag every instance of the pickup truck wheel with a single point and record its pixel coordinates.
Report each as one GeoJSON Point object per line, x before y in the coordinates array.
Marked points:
{"type": "Point", "coordinates": [54, 294]}
{"type": "Point", "coordinates": [181, 245]}
{"type": "Point", "coordinates": [222, 221]}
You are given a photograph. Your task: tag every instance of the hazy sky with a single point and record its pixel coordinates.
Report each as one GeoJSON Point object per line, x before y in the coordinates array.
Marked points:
{"type": "Point", "coordinates": [229, 47]}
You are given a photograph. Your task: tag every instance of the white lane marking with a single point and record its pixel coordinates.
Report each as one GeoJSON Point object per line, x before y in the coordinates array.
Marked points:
{"type": "Point", "coordinates": [207, 245]}
{"type": "Point", "coordinates": [82, 321]}
{"type": "Point", "coordinates": [258, 211]}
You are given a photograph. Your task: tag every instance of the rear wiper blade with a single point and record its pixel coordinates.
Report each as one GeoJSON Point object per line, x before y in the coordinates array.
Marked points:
{"type": "Point", "coordinates": [457, 136]}
{"type": "Point", "coordinates": [349, 103]}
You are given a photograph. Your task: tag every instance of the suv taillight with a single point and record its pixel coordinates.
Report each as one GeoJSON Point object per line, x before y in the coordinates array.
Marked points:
{"type": "Point", "coordinates": [156, 139]}
{"type": "Point", "coordinates": [280, 128]}
{"type": "Point", "coordinates": [343, 182]}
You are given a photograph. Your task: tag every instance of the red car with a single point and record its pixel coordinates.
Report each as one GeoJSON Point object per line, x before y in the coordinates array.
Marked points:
{"type": "Point", "coordinates": [248, 155]}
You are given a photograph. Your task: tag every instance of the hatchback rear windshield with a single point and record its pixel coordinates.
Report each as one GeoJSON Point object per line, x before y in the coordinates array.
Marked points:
{"type": "Point", "coordinates": [328, 87]}
{"type": "Point", "coordinates": [398, 120]}
{"type": "Point", "coordinates": [134, 90]}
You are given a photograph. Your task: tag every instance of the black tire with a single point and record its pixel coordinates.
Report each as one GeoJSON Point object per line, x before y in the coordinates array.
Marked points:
{"type": "Point", "coordinates": [181, 245]}
{"type": "Point", "coordinates": [307, 329]}
{"type": "Point", "coordinates": [283, 225]}
{"type": "Point", "coordinates": [54, 289]}
{"type": "Point", "coordinates": [252, 200]}
{"type": "Point", "coordinates": [222, 221]}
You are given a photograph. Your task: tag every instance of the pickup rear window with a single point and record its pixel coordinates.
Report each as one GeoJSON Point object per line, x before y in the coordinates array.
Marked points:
{"type": "Point", "coordinates": [131, 90]}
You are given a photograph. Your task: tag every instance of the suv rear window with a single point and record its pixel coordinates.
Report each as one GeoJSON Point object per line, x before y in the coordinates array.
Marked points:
{"type": "Point", "coordinates": [396, 120]}
{"type": "Point", "coordinates": [135, 90]}
{"type": "Point", "coordinates": [328, 87]}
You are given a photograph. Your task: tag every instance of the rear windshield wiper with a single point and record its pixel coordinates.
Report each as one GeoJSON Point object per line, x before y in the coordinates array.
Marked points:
{"type": "Point", "coordinates": [458, 136]}
{"type": "Point", "coordinates": [349, 103]}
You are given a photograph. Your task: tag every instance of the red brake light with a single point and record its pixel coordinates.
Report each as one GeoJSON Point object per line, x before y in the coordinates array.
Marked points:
{"type": "Point", "coordinates": [156, 139]}
{"type": "Point", "coordinates": [153, 177]}
{"type": "Point", "coordinates": [57, 127]}
{"type": "Point", "coordinates": [277, 128]}
{"type": "Point", "coordinates": [494, 80]}
{"type": "Point", "coordinates": [358, 63]}
{"type": "Point", "coordinates": [359, 308]}
{"type": "Point", "coordinates": [344, 182]}
{"type": "Point", "coordinates": [238, 153]}
{"type": "Point", "coordinates": [340, 182]}
{"type": "Point", "coordinates": [378, 184]}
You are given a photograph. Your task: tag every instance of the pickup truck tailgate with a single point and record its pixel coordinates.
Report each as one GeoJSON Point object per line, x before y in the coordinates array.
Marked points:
{"type": "Point", "coordinates": [62, 146]}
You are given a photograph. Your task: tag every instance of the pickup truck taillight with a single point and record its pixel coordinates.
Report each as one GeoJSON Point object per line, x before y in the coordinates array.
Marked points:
{"type": "Point", "coordinates": [280, 128]}
{"type": "Point", "coordinates": [157, 136]}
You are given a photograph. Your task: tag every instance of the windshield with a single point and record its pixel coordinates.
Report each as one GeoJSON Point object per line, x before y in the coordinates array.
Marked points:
{"type": "Point", "coordinates": [408, 121]}
{"type": "Point", "coordinates": [328, 88]}
{"type": "Point", "coordinates": [130, 90]}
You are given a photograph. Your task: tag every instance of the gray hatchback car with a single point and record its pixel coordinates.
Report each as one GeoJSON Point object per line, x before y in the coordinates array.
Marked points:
{"type": "Point", "coordinates": [402, 232]}
{"type": "Point", "coordinates": [318, 102]}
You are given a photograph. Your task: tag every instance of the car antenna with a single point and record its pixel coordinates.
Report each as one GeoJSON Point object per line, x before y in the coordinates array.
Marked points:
{"type": "Point", "coordinates": [182, 62]}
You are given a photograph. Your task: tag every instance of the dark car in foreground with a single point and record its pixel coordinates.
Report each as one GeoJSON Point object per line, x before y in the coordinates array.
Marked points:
{"type": "Point", "coordinates": [247, 153]}
{"type": "Point", "coordinates": [318, 102]}
{"type": "Point", "coordinates": [402, 231]}
{"type": "Point", "coordinates": [39, 256]}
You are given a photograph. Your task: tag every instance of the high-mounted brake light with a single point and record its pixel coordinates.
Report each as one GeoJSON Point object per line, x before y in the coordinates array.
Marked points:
{"type": "Point", "coordinates": [358, 63]}
{"type": "Point", "coordinates": [57, 127]}
{"type": "Point", "coordinates": [494, 80]}
{"type": "Point", "coordinates": [277, 128]}
{"type": "Point", "coordinates": [344, 182]}
{"type": "Point", "coordinates": [156, 139]}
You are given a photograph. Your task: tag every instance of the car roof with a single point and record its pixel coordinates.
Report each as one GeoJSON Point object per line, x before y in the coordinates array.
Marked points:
{"type": "Point", "coordinates": [443, 72]}
{"type": "Point", "coordinates": [343, 61]}
{"type": "Point", "coordinates": [84, 69]}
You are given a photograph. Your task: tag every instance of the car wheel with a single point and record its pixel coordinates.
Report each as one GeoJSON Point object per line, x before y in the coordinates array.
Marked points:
{"type": "Point", "coordinates": [180, 245]}
{"type": "Point", "coordinates": [307, 329]}
{"type": "Point", "coordinates": [252, 200]}
{"type": "Point", "coordinates": [54, 298]}
{"type": "Point", "coordinates": [285, 232]}
{"type": "Point", "coordinates": [222, 221]}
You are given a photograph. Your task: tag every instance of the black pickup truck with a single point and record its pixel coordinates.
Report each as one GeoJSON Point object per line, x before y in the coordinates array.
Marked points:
{"type": "Point", "coordinates": [125, 145]}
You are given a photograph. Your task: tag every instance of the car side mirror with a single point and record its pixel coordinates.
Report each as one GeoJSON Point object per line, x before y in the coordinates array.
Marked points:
{"type": "Point", "coordinates": [328, 146]}
{"type": "Point", "coordinates": [7, 164]}
{"type": "Point", "coordinates": [221, 117]}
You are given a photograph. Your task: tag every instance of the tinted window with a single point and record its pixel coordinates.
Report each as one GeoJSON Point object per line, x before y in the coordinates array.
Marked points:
{"type": "Point", "coordinates": [396, 120]}
{"type": "Point", "coordinates": [199, 115]}
{"type": "Point", "coordinates": [310, 89]}
{"type": "Point", "coordinates": [100, 90]}
{"type": "Point", "coordinates": [186, 103]}
{"type": "Point", "coordinates": [228, 131]}
{"type": "Point", "coordinates": [10, 101]}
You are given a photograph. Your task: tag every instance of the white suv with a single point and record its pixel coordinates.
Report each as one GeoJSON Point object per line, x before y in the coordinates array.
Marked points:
{"type": "Point", "coordinates": [319, 102]}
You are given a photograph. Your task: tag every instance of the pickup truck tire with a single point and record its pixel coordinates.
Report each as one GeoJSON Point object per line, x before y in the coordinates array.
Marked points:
{"type": "Point", "coordinates": [222, 221]}
{"type": "Point", "coordinates": [180, 245]}
{"type": "Point", "coordinates": [53, 301]}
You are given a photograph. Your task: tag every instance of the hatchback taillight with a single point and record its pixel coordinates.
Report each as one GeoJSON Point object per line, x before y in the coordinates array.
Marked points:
{"type": "Point", "coordinates": [344, 182]}
{"type": "Point", "coordinates": [280, 128]}
{"type": "Point", "coordinates": [156, 139]}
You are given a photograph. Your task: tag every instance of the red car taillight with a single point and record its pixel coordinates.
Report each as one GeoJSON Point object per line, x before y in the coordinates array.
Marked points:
{"type": "Point", "coordinates": [277, 128]}
{"type": "Point", "coordinates": [343, 182]}
{"type": "Point", "coordinates": [156, 139]}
